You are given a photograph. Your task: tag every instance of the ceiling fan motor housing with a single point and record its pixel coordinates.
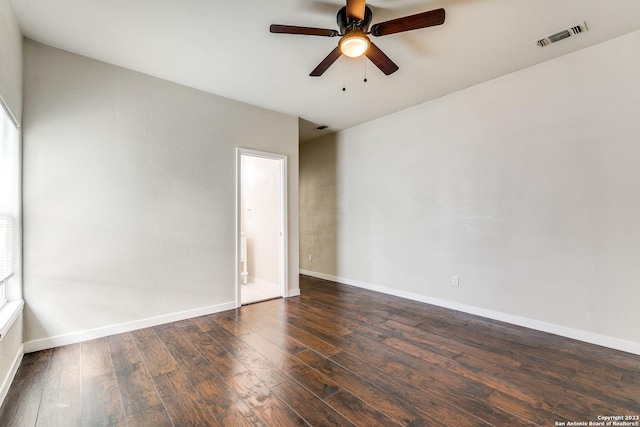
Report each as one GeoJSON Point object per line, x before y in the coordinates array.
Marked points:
{"type": "Point", "coordinates": [345, 24]}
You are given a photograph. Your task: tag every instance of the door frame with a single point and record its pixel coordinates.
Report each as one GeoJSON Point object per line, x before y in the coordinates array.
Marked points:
{"type": "Point", "coordinates": [283, 202]}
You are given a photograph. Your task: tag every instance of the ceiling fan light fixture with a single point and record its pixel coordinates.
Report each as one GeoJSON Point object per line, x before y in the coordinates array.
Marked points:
{"type": "Point", "coordinates": [354, 45]}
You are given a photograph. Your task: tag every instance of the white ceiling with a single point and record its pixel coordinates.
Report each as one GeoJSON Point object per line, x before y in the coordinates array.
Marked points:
{"type": "Point", "coordinates": [224, 47]}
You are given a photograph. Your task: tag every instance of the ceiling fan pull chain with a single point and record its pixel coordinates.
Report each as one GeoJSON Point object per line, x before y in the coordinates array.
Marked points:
{"type": "Point", "coordinates": [364, 58]}
{"type": "Point", "coordinates": [344, 85]}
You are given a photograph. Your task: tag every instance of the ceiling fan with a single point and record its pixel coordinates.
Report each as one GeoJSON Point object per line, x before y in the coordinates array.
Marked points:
{"type": "Point", "coordinates": [353, 21]}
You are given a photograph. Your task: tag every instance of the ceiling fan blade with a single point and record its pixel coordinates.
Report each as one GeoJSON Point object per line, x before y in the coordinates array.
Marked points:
{"type": "Point", "coordinates": [305, 31]}
{"type": "Point", "coordinates": [326, 63]}
{"type": "Point", "coordinates": [355, 9]}
{"type": "Point", "coordinates": [408, 23]}
{"type": "Point", "coordinates": [382, 61]}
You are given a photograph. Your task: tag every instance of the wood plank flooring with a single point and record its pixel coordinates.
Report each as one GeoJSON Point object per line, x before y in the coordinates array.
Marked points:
{"type": "Point", "coordinates": [336, 355]}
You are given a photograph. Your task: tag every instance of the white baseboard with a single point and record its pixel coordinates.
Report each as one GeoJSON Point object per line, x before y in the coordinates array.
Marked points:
{"type": "Point", "coordinates": [577, 334]}
{"type": "Point", "coordinates": [76, 337]}
{"type": "Point", "coordinates": [6, 383]}
{"type": "Point", "coordinates": [293, 293]}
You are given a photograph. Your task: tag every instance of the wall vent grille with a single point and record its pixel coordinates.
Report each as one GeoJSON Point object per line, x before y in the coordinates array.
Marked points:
{"type": "Point", "coordinates": [561, 35]}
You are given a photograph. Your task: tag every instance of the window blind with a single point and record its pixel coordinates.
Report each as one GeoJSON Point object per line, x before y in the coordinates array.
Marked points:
{"type": "Point", "coordinates": [9, 194]}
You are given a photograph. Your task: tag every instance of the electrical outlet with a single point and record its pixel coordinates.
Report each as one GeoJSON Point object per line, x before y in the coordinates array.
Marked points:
{"type": "Point", "coordinates": [455, 281]}
{"type": "Point", "coordinates": [310, 257]}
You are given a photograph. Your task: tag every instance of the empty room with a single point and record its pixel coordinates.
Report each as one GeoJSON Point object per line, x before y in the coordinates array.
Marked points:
{"type": "Point", "coordinates": [306, 212]}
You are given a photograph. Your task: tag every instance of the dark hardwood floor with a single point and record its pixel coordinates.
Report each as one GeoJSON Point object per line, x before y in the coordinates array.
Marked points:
{"type": "Point", "coordinates": [336, 355]}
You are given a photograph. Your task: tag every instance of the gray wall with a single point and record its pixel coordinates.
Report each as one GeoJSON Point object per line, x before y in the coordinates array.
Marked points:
{"type": "Point", "coordinates": [11, 93]}
{"type": "Point", "coordinates": [129, 196]}
{"type": "Point", "coordinates": [11, 63]}
{"type": "Point", "coordinates": [526, 187]}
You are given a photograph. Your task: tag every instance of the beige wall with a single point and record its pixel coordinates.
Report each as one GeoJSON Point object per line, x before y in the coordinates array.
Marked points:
{"type": "Point", "coordinates": [318, 197]}
{"type": "Point", "coordinates": [526, 187]}
{"type": "Point", "coordinates": [129, 196]}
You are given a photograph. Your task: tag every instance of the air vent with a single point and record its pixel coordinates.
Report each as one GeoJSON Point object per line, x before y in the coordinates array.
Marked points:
{"type": "Point", "coordinates": [561, 35]}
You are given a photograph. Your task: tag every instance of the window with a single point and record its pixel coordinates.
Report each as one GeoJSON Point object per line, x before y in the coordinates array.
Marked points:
{"type": "Point", "coordinates": [9, 200]}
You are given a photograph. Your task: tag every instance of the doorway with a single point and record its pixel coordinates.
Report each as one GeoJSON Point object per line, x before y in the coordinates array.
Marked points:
{"type": "Point", "coordinates": [261, 226]}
